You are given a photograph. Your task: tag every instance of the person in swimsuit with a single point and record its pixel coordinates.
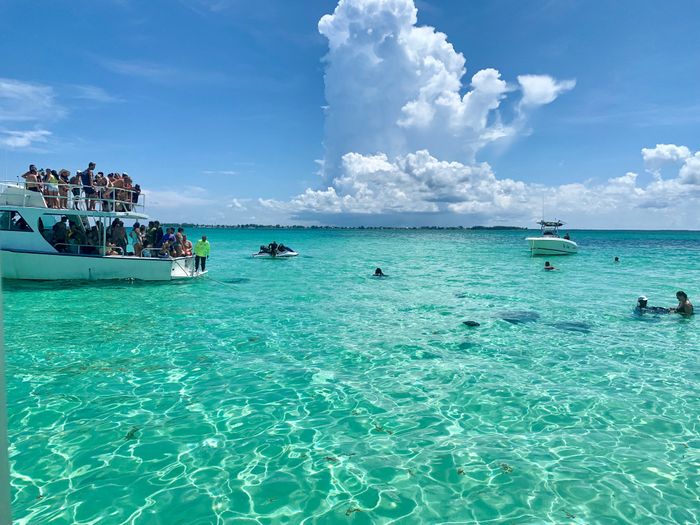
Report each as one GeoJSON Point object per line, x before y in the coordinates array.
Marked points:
{"type": "Point", "coordinates": [137, 239]}
{"type": "Point", "coordinates": [51, 188]}
{"type": "Point", "coordinates": [685, 307]}
{"type": "Point", "coordinates": [32, 179]}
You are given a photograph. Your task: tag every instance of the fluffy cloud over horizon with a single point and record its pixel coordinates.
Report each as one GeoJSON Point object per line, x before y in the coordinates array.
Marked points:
{"type": "Point", "coordinates": [403, 129]}
{"type": "Point", "coordinates": [402, 140]}
{"type": "Point", "coordinates": [420, 185]}
{"type": "Point", "coordinates": [393, 87]}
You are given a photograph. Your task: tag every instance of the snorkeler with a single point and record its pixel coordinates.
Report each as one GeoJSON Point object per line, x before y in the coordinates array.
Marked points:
{"type": "Point", "coordinates": [379, 273]}
{"type": "Point", "coordinates": [685, 307]}
{"type": "Point", "coordinates": [548, 266]}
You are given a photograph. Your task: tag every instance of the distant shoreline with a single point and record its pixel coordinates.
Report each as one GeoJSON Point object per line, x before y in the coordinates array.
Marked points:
{"type": "Point", "coordinates": [300, 227]}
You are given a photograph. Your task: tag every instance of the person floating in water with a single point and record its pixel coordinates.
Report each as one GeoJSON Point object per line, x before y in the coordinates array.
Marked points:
{"type": "Point", "coordinates": [379, 273]}
{"type": "Point", "coordinates": [617, 259]}
{"type": "Point", "coordinates": [685, 307]}
{"type": "Point", "coordinates": [643, 308]}
{"type": "Point", "coordinates": [548, 266]}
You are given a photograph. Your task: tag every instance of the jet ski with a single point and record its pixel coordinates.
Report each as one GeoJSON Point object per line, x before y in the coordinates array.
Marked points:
{"type": "Point", "coordinates": [281, 252]}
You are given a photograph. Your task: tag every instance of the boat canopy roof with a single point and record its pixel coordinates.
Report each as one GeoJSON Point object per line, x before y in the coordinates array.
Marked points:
{"type": "Point", "coordinates": [550, 224]}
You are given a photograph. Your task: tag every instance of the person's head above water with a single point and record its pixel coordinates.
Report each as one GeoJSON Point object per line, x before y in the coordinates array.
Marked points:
{"type": "Point", "coordinates": [681, 296]}
{"type": "Point", "coordinates": [378, 271]}
{"type": "Point", "coordinates": [617, 259]}
{"type": "Point", "coordinates": [642, 301]}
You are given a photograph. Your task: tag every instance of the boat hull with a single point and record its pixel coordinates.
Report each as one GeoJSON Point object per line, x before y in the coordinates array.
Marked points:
{"type": "Point", "coordinates": [544, 246]}
{"type": "Point", "coordinates": [37, 266]}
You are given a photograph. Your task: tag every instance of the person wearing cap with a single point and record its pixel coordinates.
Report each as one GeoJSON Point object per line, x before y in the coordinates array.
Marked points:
{"type": "Point", "coordinates": [643, 307]}
{"type": "Point", "coordinates": [201, 253]}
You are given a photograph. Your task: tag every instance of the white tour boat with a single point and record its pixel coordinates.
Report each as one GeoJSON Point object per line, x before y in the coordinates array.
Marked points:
{"type": "Point", "coordinates": [27, 250]}
{"type": "Point", "coordinates": [549, 242]}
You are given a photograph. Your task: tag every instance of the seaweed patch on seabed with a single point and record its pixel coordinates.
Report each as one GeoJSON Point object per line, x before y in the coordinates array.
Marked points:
{"type": "Point", "coordinates": [380, 428]}
{"type": "Point", "coordinates": [131, 434]}
{"type": "Point", "coordinates": [505, 467]}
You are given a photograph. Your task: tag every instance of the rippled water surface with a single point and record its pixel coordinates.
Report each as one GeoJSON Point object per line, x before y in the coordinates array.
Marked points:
{"type": "Point", "coordinates": [306, 391]}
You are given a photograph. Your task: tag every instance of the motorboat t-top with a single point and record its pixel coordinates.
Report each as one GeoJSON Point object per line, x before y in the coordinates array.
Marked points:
{"type": "Point", "coordinates": [550, 242]}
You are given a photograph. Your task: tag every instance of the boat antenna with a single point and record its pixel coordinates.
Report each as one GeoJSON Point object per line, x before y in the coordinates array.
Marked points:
{"type": "Point", "coordinates": [543, 206]}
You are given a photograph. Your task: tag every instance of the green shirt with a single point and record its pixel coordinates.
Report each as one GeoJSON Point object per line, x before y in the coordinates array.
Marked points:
{"type": "Point", "coordinates": [202, 248]}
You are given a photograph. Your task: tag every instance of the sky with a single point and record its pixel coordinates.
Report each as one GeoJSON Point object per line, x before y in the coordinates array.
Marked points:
{"type": "Point", "coordinates": [365, 112]}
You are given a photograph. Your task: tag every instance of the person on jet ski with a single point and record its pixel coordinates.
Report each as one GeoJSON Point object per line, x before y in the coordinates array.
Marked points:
{"type": "Point", "coordinates": [282, 248]}
{"type": "Point", "coordinates": [273, 248]}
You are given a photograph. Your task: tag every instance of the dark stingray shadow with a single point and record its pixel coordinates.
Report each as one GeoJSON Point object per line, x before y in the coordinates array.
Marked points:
{"type": "Point", "coordinates": [519, 316]}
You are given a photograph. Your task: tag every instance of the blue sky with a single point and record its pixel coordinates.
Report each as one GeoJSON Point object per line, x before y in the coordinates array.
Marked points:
{"type": "Point", "coordinates": [218, 107]}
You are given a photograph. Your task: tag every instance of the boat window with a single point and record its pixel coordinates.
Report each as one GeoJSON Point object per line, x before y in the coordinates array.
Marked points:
{"type": "Point", "coordinates": [13, 221]}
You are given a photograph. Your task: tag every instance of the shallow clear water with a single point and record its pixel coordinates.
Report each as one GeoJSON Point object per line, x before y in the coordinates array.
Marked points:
{"type": "Point", "coordinates": [306, 391]}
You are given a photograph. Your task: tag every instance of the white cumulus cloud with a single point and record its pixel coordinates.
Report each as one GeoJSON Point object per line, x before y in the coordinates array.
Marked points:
{"type": "Point", "coordinates": [661, 154]}
{"type": "Point", "coordinates": [394, 87]}
{"type": "Point", "coordinates": [23, 139]}
{"type": "Point", "coordinates": [542, 89]}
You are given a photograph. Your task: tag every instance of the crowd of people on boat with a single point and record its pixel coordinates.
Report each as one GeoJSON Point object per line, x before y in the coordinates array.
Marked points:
{"type": "Point", "coordinates": [85, 189]}
{"type": "Point", "coordinates": [74, 235]}
{"type": "Point", "coordinates": [152, 241]}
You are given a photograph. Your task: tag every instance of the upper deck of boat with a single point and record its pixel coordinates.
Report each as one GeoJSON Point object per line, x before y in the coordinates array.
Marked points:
{"type": "Point", "coordinates": [114, 202]}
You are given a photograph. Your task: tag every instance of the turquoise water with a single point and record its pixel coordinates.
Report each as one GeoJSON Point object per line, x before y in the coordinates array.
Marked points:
{"type": "Point", "coordinates": [306, 391]}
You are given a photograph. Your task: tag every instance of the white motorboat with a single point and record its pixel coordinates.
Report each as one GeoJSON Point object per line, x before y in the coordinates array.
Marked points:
{"type": "Point", "coordinates": [29, 250]}
{"type": "Point", "coordinates": [550, 242]}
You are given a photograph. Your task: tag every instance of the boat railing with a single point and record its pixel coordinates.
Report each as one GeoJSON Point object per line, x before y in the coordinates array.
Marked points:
{"type": "Point", "coordinates": [80, 197]}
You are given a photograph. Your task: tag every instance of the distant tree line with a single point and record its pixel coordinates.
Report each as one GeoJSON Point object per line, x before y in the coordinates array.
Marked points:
{"type": "Point", "coordinates": [302, 227]}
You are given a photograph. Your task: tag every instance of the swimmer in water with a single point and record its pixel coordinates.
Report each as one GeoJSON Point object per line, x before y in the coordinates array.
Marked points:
{"type": "Point", "coordinates": [643, 308]}
{"type": "Point", "coordinates": [685, 307]}
{"type": "Point", "coordinates": [548, 266]}
{"type": "Point", "coordinates": [617, 259]}
{"type": "Point", "coordinates": [379, 273]}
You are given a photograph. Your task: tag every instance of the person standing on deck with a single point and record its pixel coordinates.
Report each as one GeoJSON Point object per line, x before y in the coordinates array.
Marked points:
{"type": "Point", "coordinates": [201, 253]}
{"type": "Point", "coordinates": [86, 178]}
